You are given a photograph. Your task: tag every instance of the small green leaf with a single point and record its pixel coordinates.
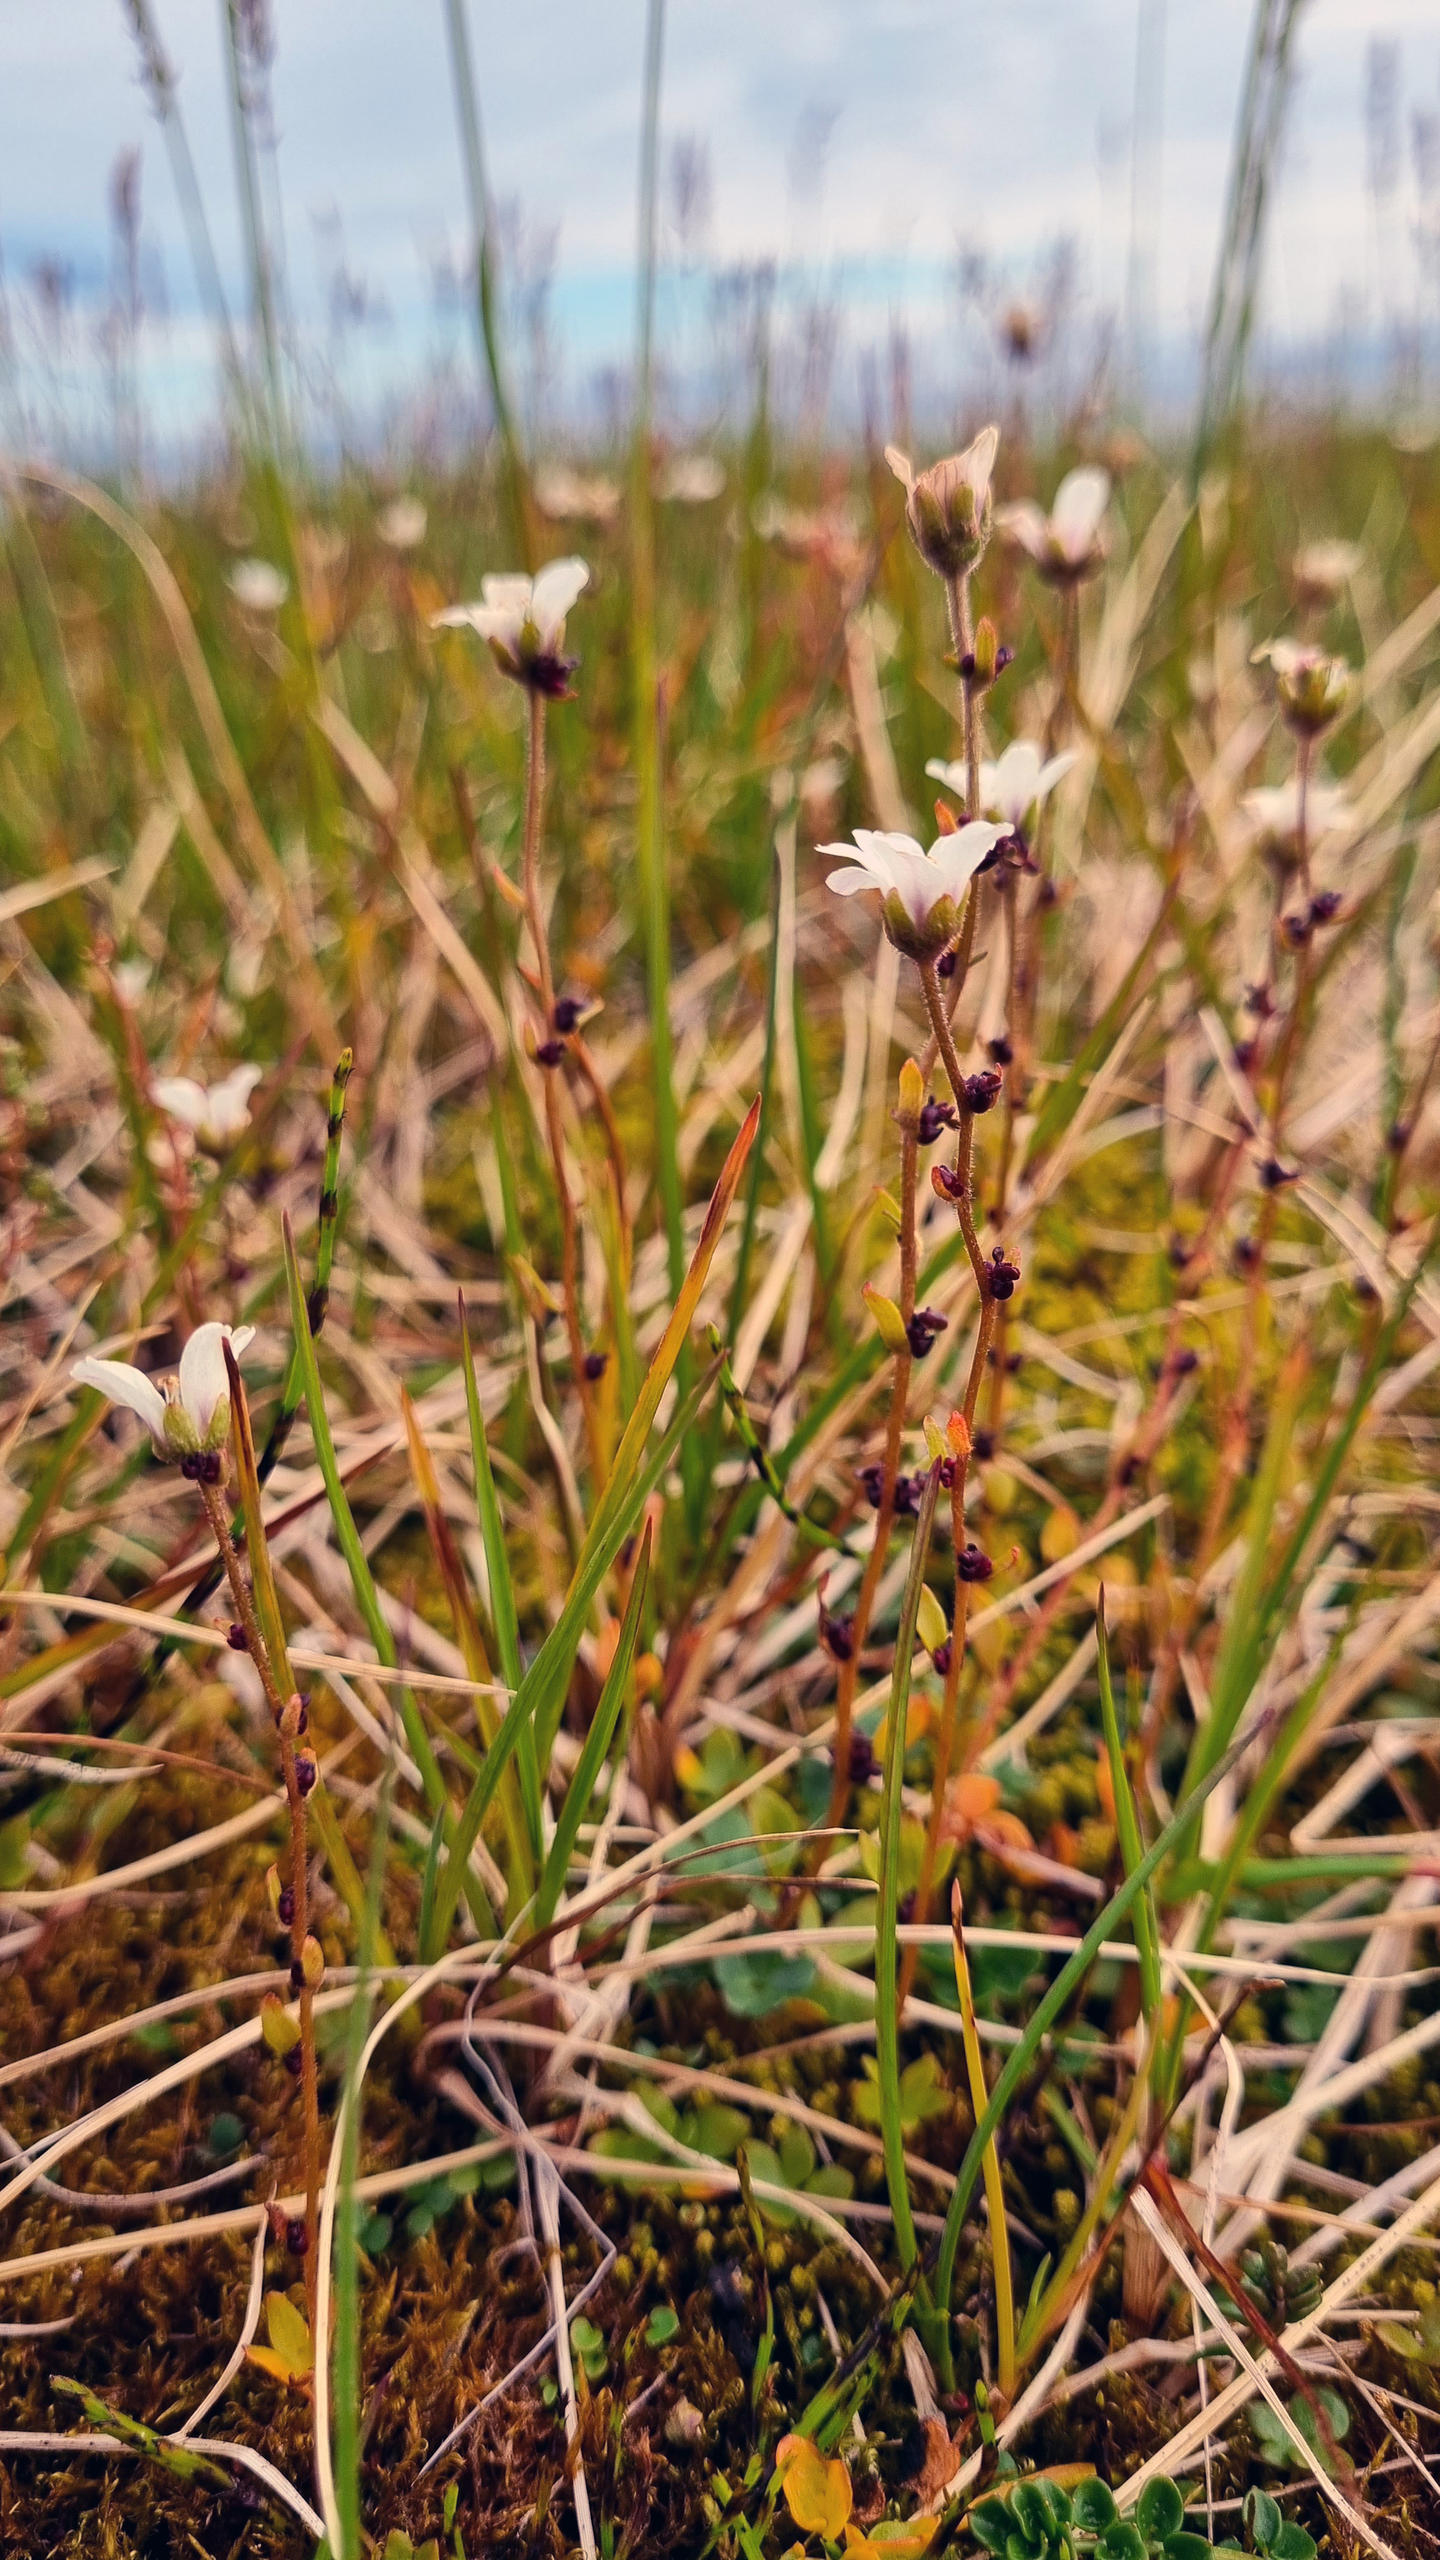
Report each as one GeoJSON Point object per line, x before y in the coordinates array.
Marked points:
{"type": "Point", "coordinates": [1159, 2510]}
{"type": "Point", "coordinates": [662, 2325]}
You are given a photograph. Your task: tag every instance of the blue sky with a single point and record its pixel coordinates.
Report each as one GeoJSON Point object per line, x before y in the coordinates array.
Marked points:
{"type": "Point", "coordinates": [875, 135]}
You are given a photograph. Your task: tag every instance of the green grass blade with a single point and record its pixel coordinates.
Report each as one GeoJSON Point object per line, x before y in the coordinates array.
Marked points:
{"type": "Point", "coordinates": [887, 1922]}
{"type": "Point", "coordinates": [597, 1743]}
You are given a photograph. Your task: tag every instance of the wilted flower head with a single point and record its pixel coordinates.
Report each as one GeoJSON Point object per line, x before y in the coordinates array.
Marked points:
{"type": "Point", "coordinates": [920, 888]}
{"type": "Point", "coordinates": [524, 621]}
{"type": "Point", "coordinates": [186, 1416]}
{"type": "Point", "coordinates": [1068, 544]}
{"type": "Point", "coordinates": [1013, 787]}
{"type": "Point", "coordinates": [258, 586]}
{"type": "Point", "coordinates": [948, 508]}
{"type": "Point", "coordinates": [691, 480]}
{"type": "Point", "coordinates": [402, 524]}
{"type": "Point", "coordinates": [217, 1112]}
{"type": "Point", "coordinates": [1312, 685]}
{"type": "Point", "coordinates": [572, 497]}
{"type": "Point", "coordinates": [1273, 815]}
{"type": "Point", "coordinates": [1321, 571]}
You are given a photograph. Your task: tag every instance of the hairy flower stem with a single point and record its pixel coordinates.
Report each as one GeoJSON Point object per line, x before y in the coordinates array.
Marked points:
{"type": "Point", "coordinates": [849, 1677]}
{"type": "Point", "coordinates": [540, 943]}
{"type": "Point", "coordinates": [965, 1142]}
{"type": "Point", "coordinates": [962, 641]}
{"type": "Point", "coordinates": [218, 1516]}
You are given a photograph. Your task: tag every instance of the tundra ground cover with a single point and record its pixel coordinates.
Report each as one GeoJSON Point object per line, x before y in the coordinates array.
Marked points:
{"type": "Point", "coordinates": [740, 1839]}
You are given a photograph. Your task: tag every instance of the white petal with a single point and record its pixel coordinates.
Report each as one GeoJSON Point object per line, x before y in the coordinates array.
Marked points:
{"type": "Point", "coordinates": [921, 883]}
{"type": "Point", "coordinates": [955, 859]}
{"type": "Point", "coordinates": [233, 1092]}
{"type": "Point", "coordinates": [458, 617]}
{"type": "Point", "coordinates": [181, 1098]}
{"type": "Point", "coordinates": [125, 1385]}
{"type": "Point", "coordinates": [203, 1380]}
{"type": "Point", "coordinates": [1023, 521]}
{"type": "Point", "coordinates": [954, 776]}
{"type": "Point", "coordinates": [846, 883]}
{"type": "Point", "coordinates": [901, 465]}
{"type": "Point", "coordinates": [1054, 772]}
{"type": "Point", "coordinates": [556, 588]}
{"type": "Point", "coordinates": [508, 591]}
{"type": "Point", "coordinates": [977, 462]}
{"type": "Point", "coordinates": [1080, 502]}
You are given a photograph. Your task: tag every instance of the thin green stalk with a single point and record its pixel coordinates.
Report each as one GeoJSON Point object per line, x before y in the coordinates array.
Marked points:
{"type": "Point", "coordinates": [1127, 1826]}
{"type": "Point", "coordinates": [503, 1619]}
{"type": "Point", "coordinates": [887, 1919]}
{"type": "Point", "coordinates": [1022, 2055]}
{"type": "Point", "coordinates": [362, 1581]}
{"type": "Point", "coordinates": [653, 883]}
{"type": "Point", "coordinates": [994, 2182]}
{"type": "Point", "coordinates": [482, 224]}
{"type": "Point", "coordinates": [252, 223]}
{"type": "Point", "coordinates": [597, 1743]}
{"type": "Point", "coordinates": [347, 2371]}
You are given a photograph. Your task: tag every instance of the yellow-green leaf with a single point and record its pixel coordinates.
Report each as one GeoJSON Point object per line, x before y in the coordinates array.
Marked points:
{"type": "Point", "coordinates": [817, 2492]}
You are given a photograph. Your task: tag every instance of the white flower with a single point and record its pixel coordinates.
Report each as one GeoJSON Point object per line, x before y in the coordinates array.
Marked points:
{"type": "Point", "coordinates": [1068, 543]}
{"type": "Point", "coordinates": [524, 621]}
{"type": "Point", "coordinates": [1274, 814]}
{"type": "Point", "coordinates": [947, 508]}
{"type": "Point", "coordinates": [185, 1416]}
{"type": "Point", "coordinates": [402, 524]}
{"type": "Point", "coordinates": [131, 977]}
{"type": "Point", "coordinates": [920, 888]}
{"type": "Point", "coordinates": [1013, 787]}
{"type": "Point", "coordinates": [259, 586]}
{"type": "Point", "coordinates": [1321, 571]}
{"type": "Point", "coordinates": [216, 1112]}
{"type": "Point", "coordinates": [691, 480]}
{"type": "Point", "coordinates": [567, 496]}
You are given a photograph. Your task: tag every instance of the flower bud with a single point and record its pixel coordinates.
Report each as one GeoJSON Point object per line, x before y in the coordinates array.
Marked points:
{"type": "Point", "coordinates": [279, 2026]}
{"type": "Point", "coordinates": [889, 1322]}
{"type": "Point", "coordinates": [312, 1963]}
{"type": "Point", "coordinates": [948, 508]}
{"type": "Point", "coordinates": [912, 1096]}
{"type": "Point", "coordinates": [933, 1624]}
{"type": "Point", "coordinates": [985, 657]}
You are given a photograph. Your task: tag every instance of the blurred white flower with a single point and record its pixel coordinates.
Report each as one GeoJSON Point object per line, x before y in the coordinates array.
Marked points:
{"type": "Point", "coordinates": [523, 620]}
{"type": "Point", "coordinates": [1273, 814]}
{"type": "Point", "coordinates": [1321, 571]}
{"type": "Point", "coordinates": [258, 586]}
{"type": "Point", "coordinates": [1013, 786]}
{"type": "Point", "coordinates": [402, 523]}
{"type": "Point", "coordinates": [131, 977]}
{"type": "Point", "coordinates": [947, 507]}
{"type": "Point", "coordinates": [572, 497]}
{"type": "Point", "coordinates": [187, 1415]}
{"type": "Point", "coordinates": [1068, 543]}
{"type": "Point", "coordinates": [920, 889]}
{"type": "Point", "coordinates": [1313, 687]}
{"type": "Point", "coordinates": [217, 1113]}
{"type": "Point", "coordinates": [691, 480]}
